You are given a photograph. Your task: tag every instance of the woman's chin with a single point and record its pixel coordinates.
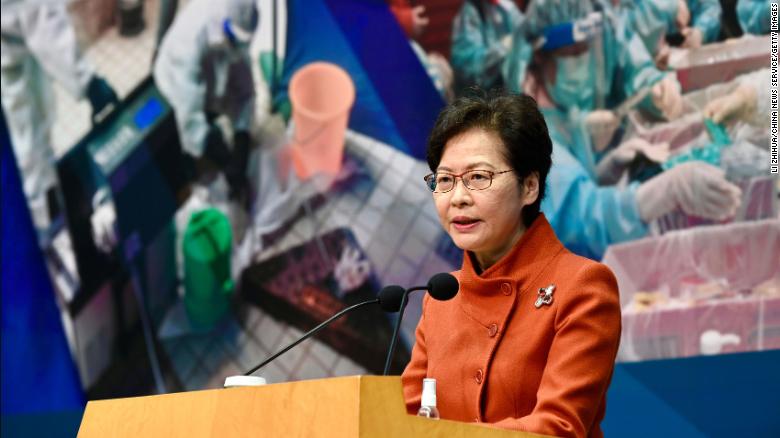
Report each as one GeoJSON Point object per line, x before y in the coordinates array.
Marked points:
{"type": "Point", "coordinates": [466, 243]}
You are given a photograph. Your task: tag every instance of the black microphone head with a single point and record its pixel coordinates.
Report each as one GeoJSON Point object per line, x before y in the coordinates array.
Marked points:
{"type": "Point", "coordinates": [443, 286]}
{"type": "Point", "coordinates": [390, 298]}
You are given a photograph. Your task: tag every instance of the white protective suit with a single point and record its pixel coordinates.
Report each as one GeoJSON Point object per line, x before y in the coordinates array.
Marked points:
{"type": "Point", "coordinates": [37, 43]}
{"type": "Point", "coordinates": [202, 74]}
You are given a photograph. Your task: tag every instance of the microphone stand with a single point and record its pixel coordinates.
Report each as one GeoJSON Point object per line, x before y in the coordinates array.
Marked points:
{"type": "Point", "coordinates": [394, 339]}
{"type": "Point", "coordinates": [312, 332]}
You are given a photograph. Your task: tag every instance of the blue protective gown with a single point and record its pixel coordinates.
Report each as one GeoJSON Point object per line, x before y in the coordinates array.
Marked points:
{"type": "Point", "coordinates": [477, 51]}
{"type": "Point", "coordinates": [586, 217]}
{"type": "Point", "coordinates": [615, 67]}
{"type": "Point", "coordinates": [753, 16]}
{"type": "Point", "coordinates": [650, 20]}
{"type": "Point", "coordinates": [705, 16]}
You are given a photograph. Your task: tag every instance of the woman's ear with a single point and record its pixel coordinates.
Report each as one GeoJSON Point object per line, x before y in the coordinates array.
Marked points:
{"type": "Point", "coordinates": [530, 189]}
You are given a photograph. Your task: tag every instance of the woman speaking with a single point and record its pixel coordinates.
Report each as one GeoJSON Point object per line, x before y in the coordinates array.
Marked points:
{"type": "Point", "coordinates": [530, 340]}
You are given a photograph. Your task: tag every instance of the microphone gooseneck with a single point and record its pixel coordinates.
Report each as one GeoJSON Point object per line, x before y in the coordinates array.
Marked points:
{"type": "Point", "coordinates": [442, 287]}
{"type": "Point", "coordinates": [389, 299]}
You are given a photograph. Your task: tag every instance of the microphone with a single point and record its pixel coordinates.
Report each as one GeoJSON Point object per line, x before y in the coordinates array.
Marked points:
{"type": "Point", "coordinates": [442, 287]}
{"type": "Point", "coordinates": [389, 299]}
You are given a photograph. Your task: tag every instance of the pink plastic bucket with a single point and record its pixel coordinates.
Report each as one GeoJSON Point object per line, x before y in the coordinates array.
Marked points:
{"type": "Point", "coordinates": [322, 95]}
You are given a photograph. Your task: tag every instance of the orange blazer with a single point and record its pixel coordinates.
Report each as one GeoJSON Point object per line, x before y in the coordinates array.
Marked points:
{"type": "Point", "coordinates": [499, 358]}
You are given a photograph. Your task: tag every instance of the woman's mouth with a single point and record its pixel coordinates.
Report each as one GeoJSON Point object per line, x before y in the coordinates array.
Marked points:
{"type": "Point", "coordinates": [462, 223]}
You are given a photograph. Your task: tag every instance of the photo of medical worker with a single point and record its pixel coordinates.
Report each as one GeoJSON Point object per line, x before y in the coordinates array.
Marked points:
{"type": "Point", "coordinates": [193, 188]}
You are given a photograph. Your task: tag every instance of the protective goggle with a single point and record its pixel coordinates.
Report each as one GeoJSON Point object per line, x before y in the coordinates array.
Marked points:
{"type": "Point", "coordinates": [570, 33]}
{"type": "Point", "coordinates": [236, 35]}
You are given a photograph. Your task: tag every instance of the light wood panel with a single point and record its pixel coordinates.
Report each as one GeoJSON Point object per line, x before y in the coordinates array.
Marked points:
{"type": "Point", "coordinates": [359, 406]}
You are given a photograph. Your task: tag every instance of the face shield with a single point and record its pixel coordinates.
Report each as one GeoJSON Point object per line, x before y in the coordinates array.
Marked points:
{"type": "Point", "coordinates": [240, 23]}
{"type": "Point", "coordinates": [568, 36]}
{"type": "Point", "coordinates": [570, 33]}
{"type": "Point", "coordinates": [237, 38]}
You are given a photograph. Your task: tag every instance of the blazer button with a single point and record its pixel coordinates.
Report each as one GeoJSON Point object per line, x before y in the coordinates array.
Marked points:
{"type": "Point", "coordinates": [506, 289]}
{"type": "Point", "coordinates": [478, 377]}
{"type": "Point", "coordinates": [493, 330]}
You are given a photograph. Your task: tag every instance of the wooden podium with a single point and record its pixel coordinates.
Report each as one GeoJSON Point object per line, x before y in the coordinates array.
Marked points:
{"type": "Point", "coordinates": [343, 407]}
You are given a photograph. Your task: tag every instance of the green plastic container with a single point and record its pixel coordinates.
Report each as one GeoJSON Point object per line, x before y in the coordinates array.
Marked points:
{"type": "Point", "coordinates": [207, 283]}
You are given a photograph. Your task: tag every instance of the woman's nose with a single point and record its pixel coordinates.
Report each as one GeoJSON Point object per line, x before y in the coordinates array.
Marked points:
{"type": "Point", "coordinates": [460, 195]}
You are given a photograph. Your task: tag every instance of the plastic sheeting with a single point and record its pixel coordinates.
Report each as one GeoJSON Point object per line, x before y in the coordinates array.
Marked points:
{"type": "Point", "coordinates": [746, 160]}
{"type": "Point", "coordinates": [706, 290]}
{"type": "Point", "coordinates": [719, 62]}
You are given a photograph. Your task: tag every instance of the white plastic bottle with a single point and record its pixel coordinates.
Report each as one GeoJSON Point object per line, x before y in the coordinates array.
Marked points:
{"type": "Point", "coordinates": [428, 402]}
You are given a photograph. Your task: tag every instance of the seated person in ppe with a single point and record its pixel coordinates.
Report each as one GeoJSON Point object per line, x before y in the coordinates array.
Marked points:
{"type": "Point", "coordinates": [585, 57]}
{"type": "Point", "coordinates": [697, 22]}
{"type": "Point", "coordinates": [529, 342]}
{"type": "Point", "coordinates": [589, 212]}
{"type": "Point", "coordinates": [482, 35]}
{"type": "Point", "coordinates": [652, 21]}
{"type": "Point", "coordinates": [588, 217]}
{"type": "Point", "coordinates": [203, 69]}
{"type": "Point", "coordinates": [702, 25]}
{"type": "Point", "coordinates": [38, 44]}
{"type": "Point", "coordinates": [753, 16]}
{"type": "Point", "coordinates": [606, 150]}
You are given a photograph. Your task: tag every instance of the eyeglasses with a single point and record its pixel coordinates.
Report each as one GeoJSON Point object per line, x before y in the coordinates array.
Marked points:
{"type": "Point", "coordinates": [442, 182]}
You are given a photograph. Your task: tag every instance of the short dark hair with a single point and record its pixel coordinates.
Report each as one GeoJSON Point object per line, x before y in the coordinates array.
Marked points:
{"type": "Point", "coordinates": [517, 121]}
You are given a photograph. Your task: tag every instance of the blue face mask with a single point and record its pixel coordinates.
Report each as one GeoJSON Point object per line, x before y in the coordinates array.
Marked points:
{"type": "Point", "coordinates": [574, 82]}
